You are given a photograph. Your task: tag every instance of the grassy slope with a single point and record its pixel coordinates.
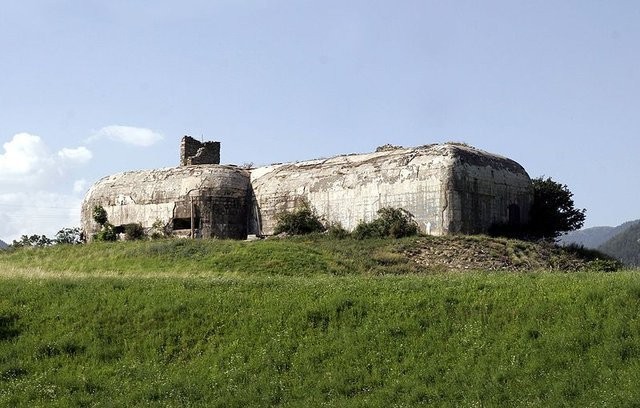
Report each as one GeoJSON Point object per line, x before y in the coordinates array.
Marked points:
{"type": "Point", "coordinates": [224, 326]}
{"type": "Point", "coordinates": [625, 246]}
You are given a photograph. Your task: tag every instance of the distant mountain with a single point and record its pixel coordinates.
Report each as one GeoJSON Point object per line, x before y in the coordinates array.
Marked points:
{"type": "Point", "coordinates": [3, 245]}
{"type": "Point", "coordinates": [595, 236]}
{"type": "Point", "coordinates": [625, 246]}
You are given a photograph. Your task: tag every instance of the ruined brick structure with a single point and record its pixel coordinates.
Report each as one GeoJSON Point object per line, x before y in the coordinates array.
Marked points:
{"type": "Point", "coordinates": [194, 152]}
{"type": "Point", "coordinates": [449, 188]}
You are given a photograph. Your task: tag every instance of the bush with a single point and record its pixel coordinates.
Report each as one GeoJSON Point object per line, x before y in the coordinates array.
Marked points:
{"type": "Point", "coordinates": [301, 221]}
{"type": "Point", "coordinates": [392, 222]}
{"type": "Point", "coordinates": [371, 229]}
{"type": "Point", "coordinates": [159, 230]}
{"type": "Point", "coordinates": [134, 232]}
{"type": "Point", "coordinates": [337, 231]}
{"type": "Point", "coordinates": [70, 236]}
{"type": "Point", "coordinates": [100, 215]}
{"type": "Point", "coordinates": [32, 241]}
{"type": "Point", "coordinates": [107, 233]}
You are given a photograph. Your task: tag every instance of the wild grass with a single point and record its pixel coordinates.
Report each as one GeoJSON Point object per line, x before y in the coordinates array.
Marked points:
{"type": "Point", "coordinates": [307, 323]}
{"type": "Point", "coordinates": [302, 256]}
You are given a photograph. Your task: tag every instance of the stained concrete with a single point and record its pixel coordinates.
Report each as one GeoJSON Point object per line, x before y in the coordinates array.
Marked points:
{"type": "Point", "coordinates": [449, 188]}
{"type": "Point", "coordinates": [219, 195]}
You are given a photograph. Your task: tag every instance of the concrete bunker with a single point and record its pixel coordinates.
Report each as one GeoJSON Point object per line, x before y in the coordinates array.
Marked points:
{"type": "Point", "coordinates": [449, 188]}
{"type": "Point", "coordinates": [199, 201]}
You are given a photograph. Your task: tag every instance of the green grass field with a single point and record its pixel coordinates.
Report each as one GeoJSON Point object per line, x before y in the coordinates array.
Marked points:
{"type": "Point", "coordinates": [307, 322]}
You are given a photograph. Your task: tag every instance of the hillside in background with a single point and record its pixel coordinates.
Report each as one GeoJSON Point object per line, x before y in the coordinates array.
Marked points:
{"type": "Point", "coordinates": [3, 245]}
{"type": "Point", "coordinates": [595, 236]}
{"type": "Point", "coordinates": [625, 246]}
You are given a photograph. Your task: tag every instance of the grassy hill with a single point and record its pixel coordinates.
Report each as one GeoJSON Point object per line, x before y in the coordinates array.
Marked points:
{"type": "Point", "coordinates": [594, 237]}
{"type": "Point", "coordinates": [312, 322]}
{"type": "Point", "coordinates": [625, 246]}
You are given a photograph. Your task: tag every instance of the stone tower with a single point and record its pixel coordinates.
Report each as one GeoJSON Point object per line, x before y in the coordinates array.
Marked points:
{"type": "Point", "coordinates": [195, 152]}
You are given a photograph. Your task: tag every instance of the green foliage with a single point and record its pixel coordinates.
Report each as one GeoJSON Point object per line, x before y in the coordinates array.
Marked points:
{"type": "Point", "coordinates": [134, 232]}
{"type": "Point", "coordinates": [100, 215]}
{"type": "Point", "coordinates": [32, 241]}
{"type": "Point", "coordinates": [553, 211]}
{"type": "Point", "coordinates": [299, 222]}
{"type": "Point", "coordinates": [391, 222]}
{"type": "Point", "coordinates": [106, 233]}
{"type": "Point", "coordinates": [337, 231]}
{"type": "Point", "coordinates": [159, 230]}
{"type": "Point", "coordinates": [70, 236]}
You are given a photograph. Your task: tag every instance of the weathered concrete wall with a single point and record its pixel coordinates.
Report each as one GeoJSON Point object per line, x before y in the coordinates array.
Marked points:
{"type": "Point", "coordinates": [449, 188]}
{"type": "Point", "coordinates": [194, 152]}
{"type": "Point", "coordinates": [220, 195]}
{"type": "Point", "coordinates": [487, 189]}
{"type": "Point", "coordinates": [348, 189]}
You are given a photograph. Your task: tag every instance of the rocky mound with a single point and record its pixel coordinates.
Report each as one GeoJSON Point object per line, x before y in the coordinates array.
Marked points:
{"type": "Point", "coordinates": [459, 253]}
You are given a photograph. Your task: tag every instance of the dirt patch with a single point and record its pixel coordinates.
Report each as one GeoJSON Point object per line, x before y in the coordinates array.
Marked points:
{"type": "Point", "coordinates": [458, 253]}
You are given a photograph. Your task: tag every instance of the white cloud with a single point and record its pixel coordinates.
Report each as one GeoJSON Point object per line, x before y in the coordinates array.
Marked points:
{"type": "Point", "coordinates": [79, 155]}
{"type": "Point", "coordinates": [79, 186]}
{"type": "Point", "coordinates": [27, 160]}
{"type": "Point", "coordinates": [127, 134]}
{"type": "Point", "coordinates": [37, 212]}
{"type": "Point", "coordinates": [24, 155]}
{"type": "Point", "coordinates": [35, 187]}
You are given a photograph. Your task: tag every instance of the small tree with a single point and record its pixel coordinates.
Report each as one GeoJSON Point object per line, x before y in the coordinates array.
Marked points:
{"type": "Point", "coordinates": [32, 241]}
{"type": "Point", "coordinates": [100, 215]}
{"type": "Point", "coordinates": [553, 211]}
{"type": "Point", "coordinates": [107, 231]}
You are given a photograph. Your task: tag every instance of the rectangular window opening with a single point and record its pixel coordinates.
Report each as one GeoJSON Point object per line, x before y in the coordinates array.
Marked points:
{"type": "Point", "coordinates": [185, 223]}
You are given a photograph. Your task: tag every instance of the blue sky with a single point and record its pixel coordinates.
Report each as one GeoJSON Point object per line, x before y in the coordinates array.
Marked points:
{"type": "Point", "coordinates": [89, 88]}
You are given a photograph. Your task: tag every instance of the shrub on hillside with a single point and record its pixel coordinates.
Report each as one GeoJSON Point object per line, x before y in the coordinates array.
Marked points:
{"type": "Point", "coordinates": [134, 232]}
{"type": "Point", "coordinates": [106, 233]}
{"type": "Point", "coordinates": [299, 222]}
{"type": "Point", "coordinates": [159, 230]}
{"type": "Point", "coordinates": [70, 236]}
{"type": "Point", "coordinates": [336, 230]}
{"type": "Point", "coordinates": [35, 240]}
{"type": "Point", "coordinates": [100, 215]}
{"type": "Point", "coordinates": [391, 222]}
